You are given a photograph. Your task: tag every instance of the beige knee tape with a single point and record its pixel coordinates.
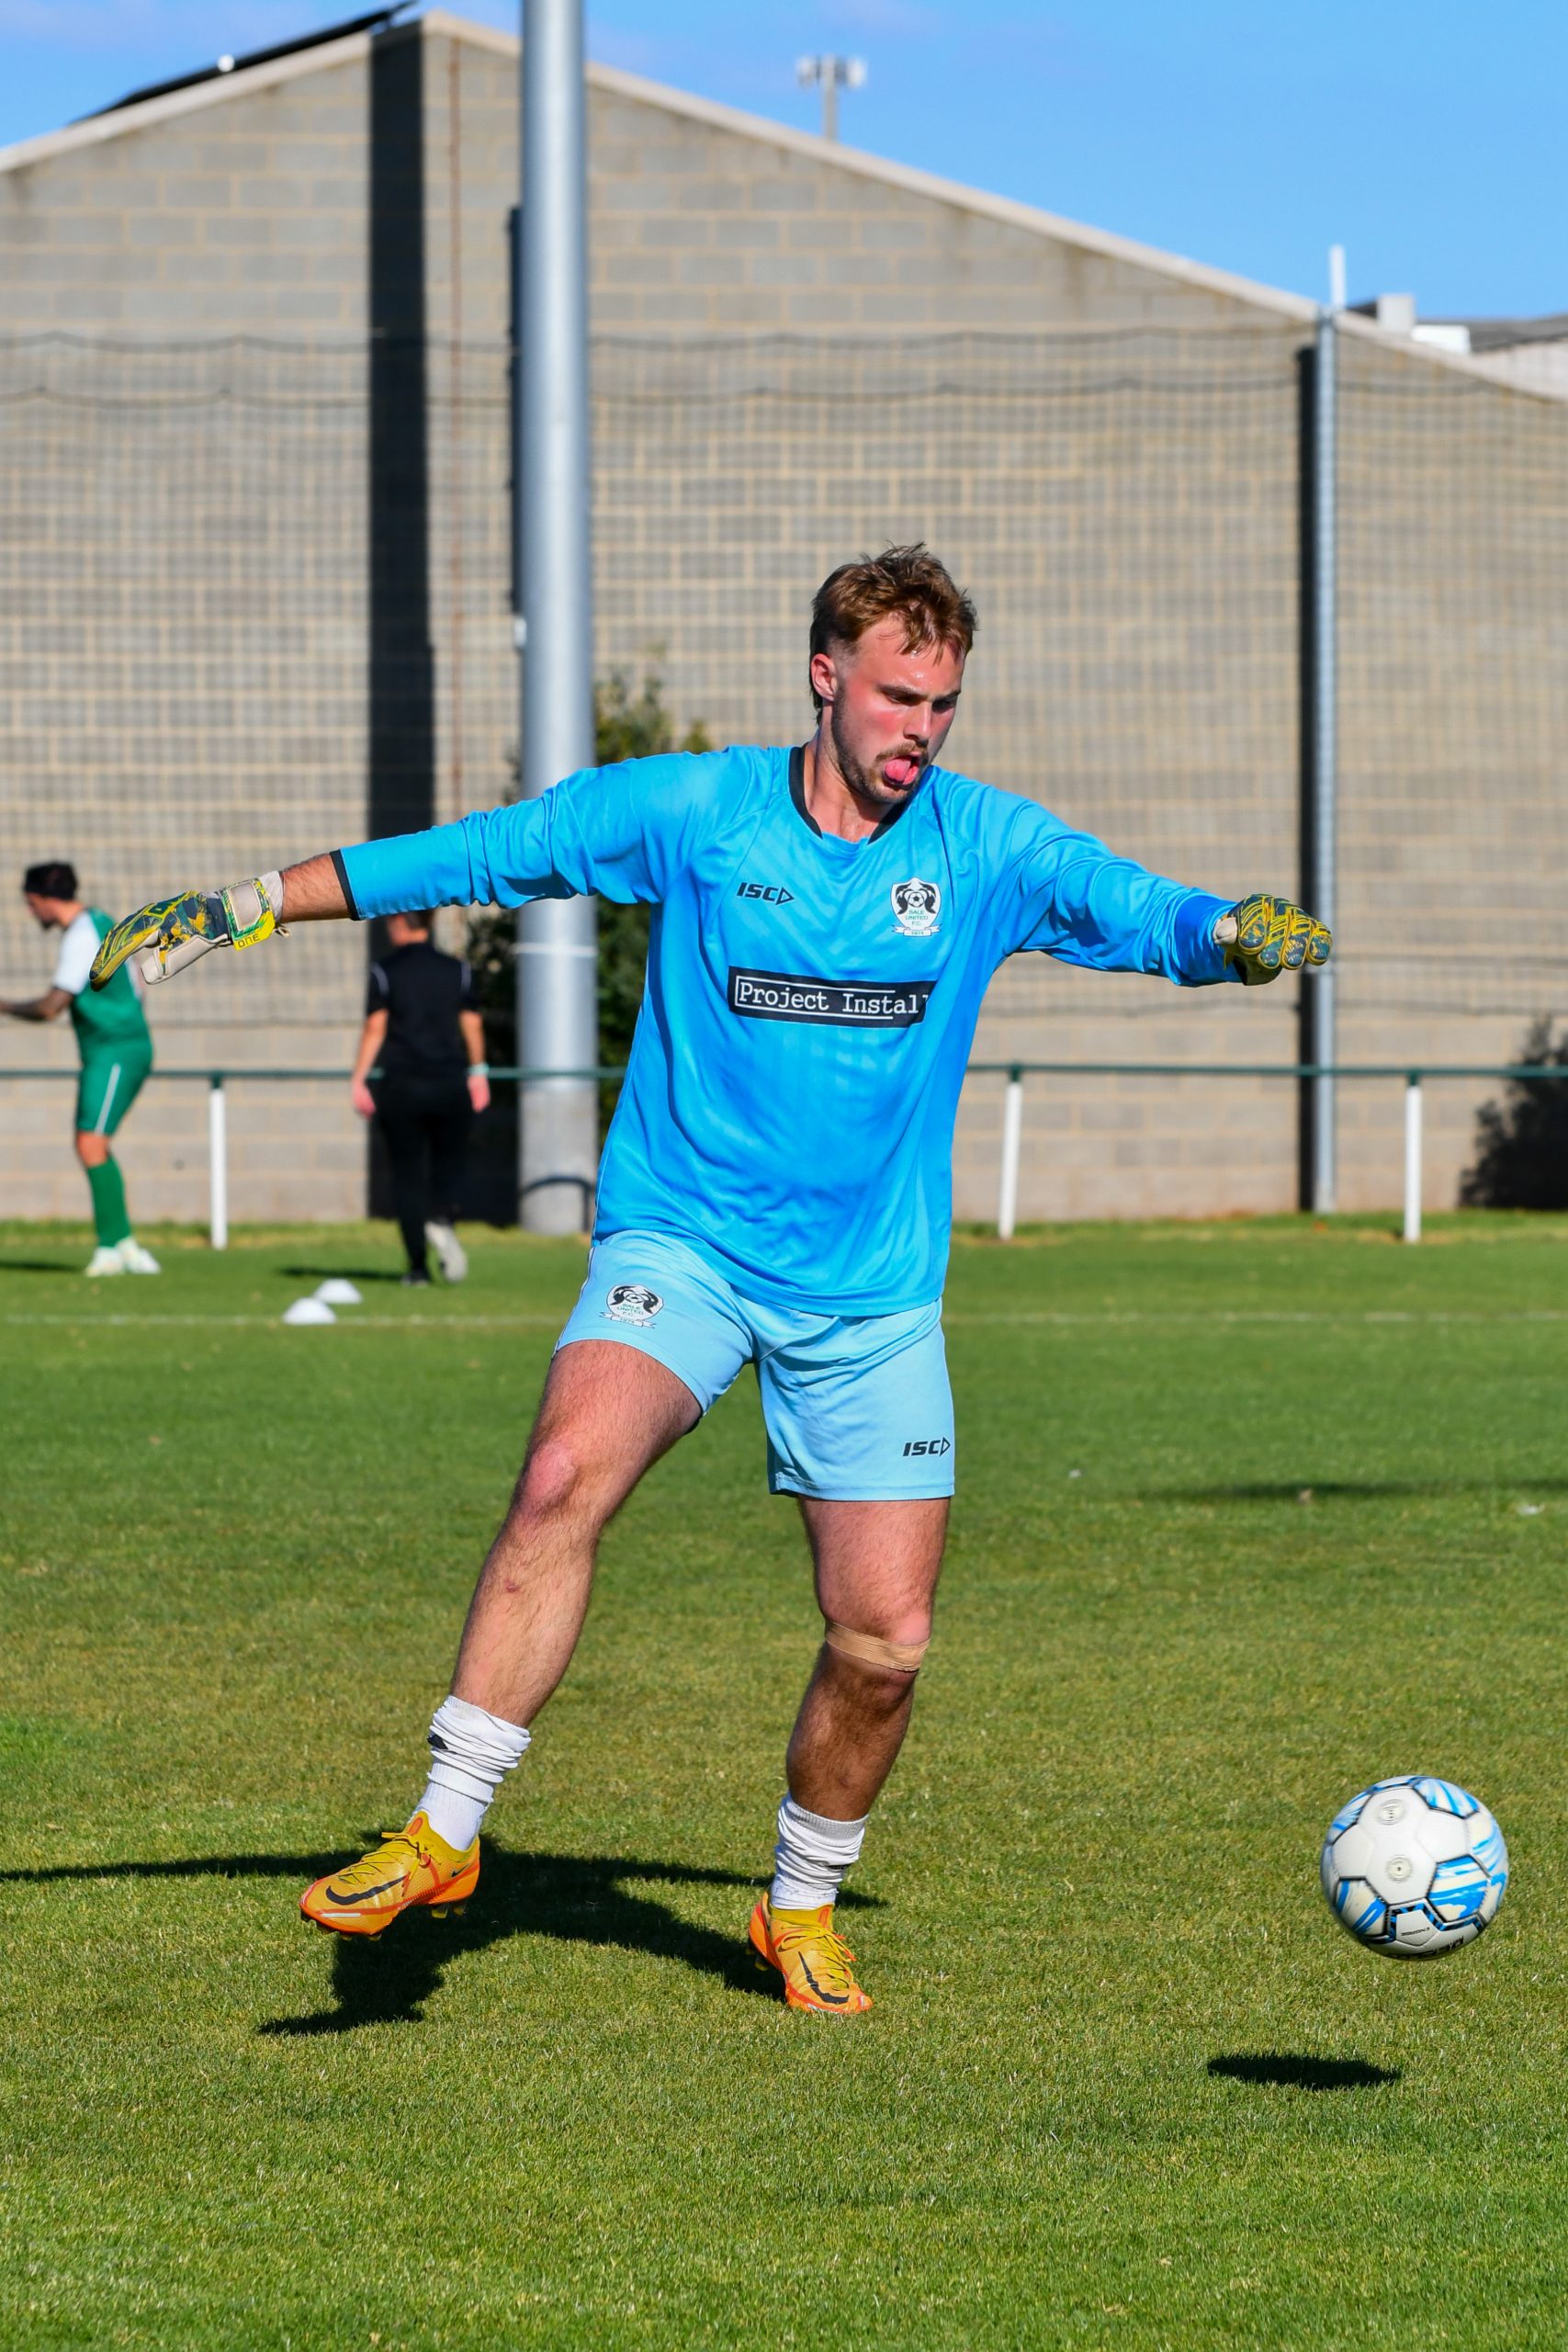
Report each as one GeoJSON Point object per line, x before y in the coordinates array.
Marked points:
{"type": "Point", "coordinates": [870, 1649]}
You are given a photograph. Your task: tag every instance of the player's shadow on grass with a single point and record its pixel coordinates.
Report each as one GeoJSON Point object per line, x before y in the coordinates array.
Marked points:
{"type": "Point", "coordinates": [581, 1899]}
{"type": "Point", "coordinates": [1299, 2071]}
{"type": "Point", "coordinates": [574, 1898]}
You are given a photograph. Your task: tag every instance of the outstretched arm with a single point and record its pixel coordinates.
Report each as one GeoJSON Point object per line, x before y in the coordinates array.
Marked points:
{"type": "Point", "coordinates": [616, 830]}
{"type": "Point", "coordinates": [1076, 899]}
{"type": "Point", "coordinates": [313, 892]}
{"type": "Point", "coordinates": [47, 1007]}
{"type": "Point", "coordinates": [173, 933]}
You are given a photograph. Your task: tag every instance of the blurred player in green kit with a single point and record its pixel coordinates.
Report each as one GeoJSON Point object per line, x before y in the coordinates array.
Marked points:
{"type": "Point", "coordinates": [116, 1046]}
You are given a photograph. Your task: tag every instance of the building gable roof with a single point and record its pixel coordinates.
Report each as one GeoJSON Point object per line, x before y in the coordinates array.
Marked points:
{"type": "Point", "coordinates": [271, 71]}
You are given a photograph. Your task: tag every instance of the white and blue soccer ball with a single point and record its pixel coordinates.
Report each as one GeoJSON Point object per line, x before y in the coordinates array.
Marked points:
{"type": "Point", "coordinates": [1414, 1867]}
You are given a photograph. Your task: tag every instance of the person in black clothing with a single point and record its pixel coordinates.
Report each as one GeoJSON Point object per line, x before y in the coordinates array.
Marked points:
{"type": "Point", "coordinates": [422, 1030]}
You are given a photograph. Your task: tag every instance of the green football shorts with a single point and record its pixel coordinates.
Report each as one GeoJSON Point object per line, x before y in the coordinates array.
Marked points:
{"type": "Point", "coordinates": [112, 1078]}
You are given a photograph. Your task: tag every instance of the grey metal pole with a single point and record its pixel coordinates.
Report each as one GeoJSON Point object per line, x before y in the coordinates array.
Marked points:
{"type": "Point", "coordinates": [830, 74]}
{"type": "Point", "coordinates": [557, 970]}
{"type": "Point", "coordinates": [1324, 750]}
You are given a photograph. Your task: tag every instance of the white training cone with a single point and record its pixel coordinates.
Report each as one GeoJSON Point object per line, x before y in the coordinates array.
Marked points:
{"type": "Point", "coordinates": [338, 1291]}
{"type": "Point", "coordinates": [309, 1310]}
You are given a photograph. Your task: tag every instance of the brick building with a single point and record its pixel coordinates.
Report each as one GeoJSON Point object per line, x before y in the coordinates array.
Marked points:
{"type": "Point", "coordinates": [255, 355]}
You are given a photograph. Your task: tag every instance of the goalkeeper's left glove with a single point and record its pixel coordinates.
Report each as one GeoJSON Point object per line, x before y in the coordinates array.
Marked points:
{"type": "Point", "coordinates": [175, 932]}
{"type": "Point", "coordinates": [1263, 937]}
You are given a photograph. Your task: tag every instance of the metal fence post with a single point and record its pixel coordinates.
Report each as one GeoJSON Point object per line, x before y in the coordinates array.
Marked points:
{"type": "Point", "coordinates": [218, 1163]}
{"type": "Point", "coordinates": [1413, 1157]}
{"type": "Point", "coordinates": [1012, 1141]}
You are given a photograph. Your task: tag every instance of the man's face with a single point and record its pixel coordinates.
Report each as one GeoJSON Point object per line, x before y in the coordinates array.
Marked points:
{"type": "Point", "coordinates": [403, 933]}
{"type": "Point", "coordinates": [45, 911]}
{"type": "Point", "coordinates": [887, 710]}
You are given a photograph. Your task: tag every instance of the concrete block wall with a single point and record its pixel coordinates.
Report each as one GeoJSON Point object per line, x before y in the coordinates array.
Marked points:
{"type": "Point", "coordinates": [247, 215]}
{"type": "Point", "coordinates": [699, 228]}
{"type": "Point", "coordinates": [795, 357]}
{"type": "Point", "coordinates": [1454, 716]}
{"type": "Point", "coordinates": [295, 1152]}
{"type": "Point", "coordinates": [183, 667]}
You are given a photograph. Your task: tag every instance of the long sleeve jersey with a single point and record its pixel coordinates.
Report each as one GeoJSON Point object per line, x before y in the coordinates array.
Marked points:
{"type": "Point", "coordinates": [789, 1103]}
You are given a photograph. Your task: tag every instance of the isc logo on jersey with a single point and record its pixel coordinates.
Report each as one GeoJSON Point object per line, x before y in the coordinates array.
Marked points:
{"type": "Point", "coordinates": [915, 906]}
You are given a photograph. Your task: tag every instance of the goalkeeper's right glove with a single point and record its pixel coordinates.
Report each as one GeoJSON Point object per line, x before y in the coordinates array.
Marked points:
{"type": "Point", "coordinates": [175, 932]}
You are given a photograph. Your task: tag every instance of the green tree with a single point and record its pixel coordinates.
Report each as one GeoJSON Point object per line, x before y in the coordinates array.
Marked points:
{"type": "Point", "coordinates": [1522, 1159]}
{"type": "Point", "coordinates": [630, 723]}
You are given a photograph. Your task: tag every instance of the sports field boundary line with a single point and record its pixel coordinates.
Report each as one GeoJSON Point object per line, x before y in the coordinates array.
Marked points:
{"type": "Point", "coordinates": [1047, 1319]}
{"type": "Point", "coordinates": [267, 1322]}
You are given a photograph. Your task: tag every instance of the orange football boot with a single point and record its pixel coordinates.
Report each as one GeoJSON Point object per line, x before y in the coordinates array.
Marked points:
{"type": "Point", "coordinates": [412, 1866]}
{"type": "Point", "coordinates": [815, 1964]}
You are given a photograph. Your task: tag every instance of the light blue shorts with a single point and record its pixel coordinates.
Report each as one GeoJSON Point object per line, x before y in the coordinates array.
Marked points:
{"type": "Point", "coordinates": [857, 1408]}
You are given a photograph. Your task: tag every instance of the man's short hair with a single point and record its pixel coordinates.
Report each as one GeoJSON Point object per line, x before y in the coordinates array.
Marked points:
{"type": "Point", "coordinates": [417, 918]}
{"type": "Point", "coordinates": [908, 583]}
{"type": "Point", "coordinates": [54, 878]}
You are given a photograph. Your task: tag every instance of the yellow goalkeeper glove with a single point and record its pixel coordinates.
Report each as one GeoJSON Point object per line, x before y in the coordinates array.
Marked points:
{"type": "Point", "coordinates": [1264, 937]}
{"type": "Point", "coordinates": [173, 933]}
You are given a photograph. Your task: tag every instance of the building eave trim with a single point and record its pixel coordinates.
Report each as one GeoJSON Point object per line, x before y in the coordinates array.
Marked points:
{"type": "Point", "coordinates": [1479, 366]}
{"type": "Point", "coordinates": [122, 121]}
{"type": "Point", "coordinates": [910, 181]}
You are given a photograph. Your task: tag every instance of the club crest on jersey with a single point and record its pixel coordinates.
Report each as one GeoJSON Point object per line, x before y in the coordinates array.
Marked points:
{"type": "Point", "coordinates": [632, 1303]}
{"type": "Point", "coordinates": [915, 906]}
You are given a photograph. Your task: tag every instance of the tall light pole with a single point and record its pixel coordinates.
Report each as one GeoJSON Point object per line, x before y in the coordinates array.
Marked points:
{"type": "Point", "coordinates": [1324, 815]}
{"type": "Point", "coordinates": [830, 74]}
{"type": "Point", "coordinates": [556, 967]}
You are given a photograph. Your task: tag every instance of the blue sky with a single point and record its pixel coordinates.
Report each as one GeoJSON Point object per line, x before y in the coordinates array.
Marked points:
{"type": "Point", "coordinates": [1427, 140]}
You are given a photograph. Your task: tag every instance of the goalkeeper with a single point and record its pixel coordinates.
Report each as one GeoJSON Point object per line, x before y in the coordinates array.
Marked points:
{"type": "Point", "coordinates": [776, 1186]}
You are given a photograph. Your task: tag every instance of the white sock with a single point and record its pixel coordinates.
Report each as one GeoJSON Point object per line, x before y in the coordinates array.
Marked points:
{"type": "Point", "coordinates": [472, 1752]}
{"type": "Point", "coordinates": [811, 1856]}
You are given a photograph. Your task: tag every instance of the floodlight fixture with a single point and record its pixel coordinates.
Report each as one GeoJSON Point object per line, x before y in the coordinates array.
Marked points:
{"type": "Point", "coordinates": [830, 74]}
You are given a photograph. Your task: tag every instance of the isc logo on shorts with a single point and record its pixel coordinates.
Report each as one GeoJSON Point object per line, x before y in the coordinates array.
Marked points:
{"type": "Point", "coordinates": [632, 1303]}
{"type": "Point", "coordinates": [929, 1445]}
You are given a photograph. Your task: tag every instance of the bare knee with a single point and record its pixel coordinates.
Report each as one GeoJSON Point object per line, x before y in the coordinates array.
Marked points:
{"type": "Point", "coordinates": [91, 1150]}
{"type": "Point", "coordinates": [554, 1480]}
{"type": "Point", "coordinates": [567, 1486]}
{"type": "Point", "coordinates": [871, 1675]}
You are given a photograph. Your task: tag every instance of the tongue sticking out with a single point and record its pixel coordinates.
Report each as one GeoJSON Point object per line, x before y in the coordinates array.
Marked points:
{"type": "Point", "coordinates": [901, 772]}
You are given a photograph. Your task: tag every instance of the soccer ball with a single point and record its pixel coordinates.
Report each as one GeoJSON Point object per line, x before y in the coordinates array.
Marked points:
{"type": "Point", "coordinates": [1414, 1867]}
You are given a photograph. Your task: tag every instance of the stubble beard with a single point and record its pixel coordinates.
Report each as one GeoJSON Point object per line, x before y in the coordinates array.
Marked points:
{"type": "Point", "coordinates": [863, 782]}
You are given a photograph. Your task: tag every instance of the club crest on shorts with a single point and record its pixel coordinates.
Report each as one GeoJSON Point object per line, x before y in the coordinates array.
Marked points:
{"type": "Point", "coordinates": [632, 1303]}
{"type": "Point", "coordinates": [915, 906]}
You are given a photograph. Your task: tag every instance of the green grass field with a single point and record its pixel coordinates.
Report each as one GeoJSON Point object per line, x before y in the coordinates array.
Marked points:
{"type": "Point", "coordinates": [1249, 1515]}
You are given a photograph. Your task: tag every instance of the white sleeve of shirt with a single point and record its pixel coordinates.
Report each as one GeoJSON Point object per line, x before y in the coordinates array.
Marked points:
{"type": "Point", "coordinates": [78, 945]}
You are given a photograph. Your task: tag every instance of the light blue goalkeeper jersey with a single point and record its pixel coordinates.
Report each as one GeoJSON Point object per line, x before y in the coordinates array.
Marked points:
{"type": "Point", "coordinates": [789, 1105]}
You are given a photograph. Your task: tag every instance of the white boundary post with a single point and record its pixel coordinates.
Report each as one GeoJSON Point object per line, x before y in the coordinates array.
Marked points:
{"type": "Point", "coordinates": [1012, 1141]}
{"type": "Point", "coordinates": [1413, 1157]}
{"type": "Point", "coordinates": [218, 1163]}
